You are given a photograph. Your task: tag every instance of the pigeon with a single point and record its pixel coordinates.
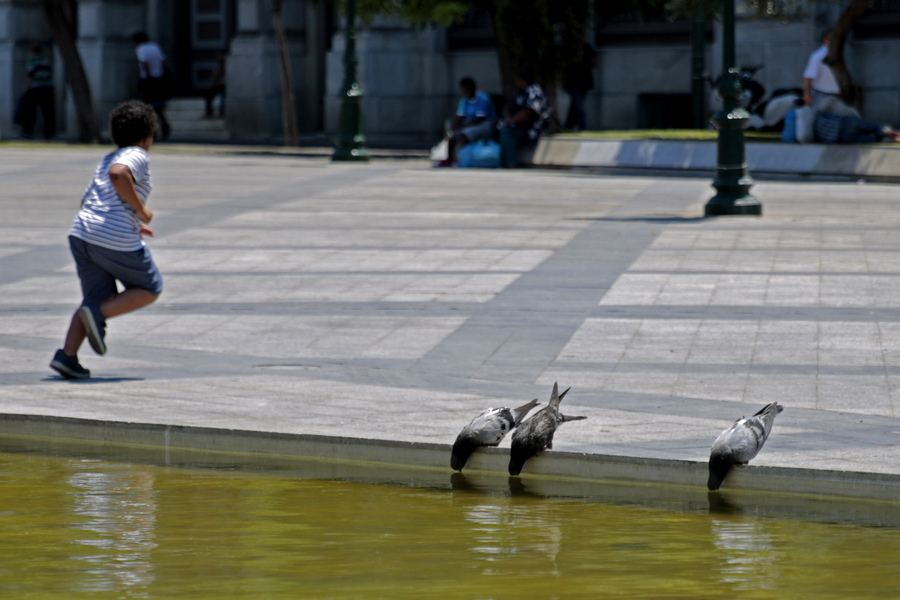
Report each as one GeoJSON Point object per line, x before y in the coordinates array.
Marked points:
{"type": "Point", "coordinates": [740, 443]}
{"type": "Point", "coordinates": [536, 433]}
{"type": "Point", "coordinates": [487, 429]}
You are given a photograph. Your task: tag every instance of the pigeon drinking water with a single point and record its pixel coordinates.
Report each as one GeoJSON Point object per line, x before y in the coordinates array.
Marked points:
{"type": "Point", "coordinates": [536, 434]}
{"type": "Point", "coordinates": [487, 429]}
{"type": "Point", "coordinates": [740, 442]}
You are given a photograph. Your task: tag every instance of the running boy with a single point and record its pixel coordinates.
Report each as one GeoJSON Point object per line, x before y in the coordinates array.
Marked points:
{"type": "Point", "coordinates": [106, 238]}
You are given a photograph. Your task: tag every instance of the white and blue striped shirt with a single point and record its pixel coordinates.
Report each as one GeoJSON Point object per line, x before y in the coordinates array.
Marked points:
{"type": "Point", "coordinates": [105, 219]}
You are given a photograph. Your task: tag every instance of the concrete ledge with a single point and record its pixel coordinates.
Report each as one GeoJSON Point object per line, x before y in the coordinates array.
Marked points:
{"type": "Point", "coordinates": [874, 161]}
{"type": "Point", "coordinates": [493, 461]}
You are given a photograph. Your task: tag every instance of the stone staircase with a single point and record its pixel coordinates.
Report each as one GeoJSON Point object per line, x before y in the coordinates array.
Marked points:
{"type": "Point", "coordinates": [185, 116]}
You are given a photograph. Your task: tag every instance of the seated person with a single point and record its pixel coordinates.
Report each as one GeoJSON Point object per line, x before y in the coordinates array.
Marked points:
{"type": "Point", "coordinates": [474, 117]}
{"type": "Point", "coordinates": [524, 118]}
{"type": "Point", "coordinates": [848, 129]}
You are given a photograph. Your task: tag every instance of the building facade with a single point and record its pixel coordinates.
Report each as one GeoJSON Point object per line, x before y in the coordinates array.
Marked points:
{"type": "Point", "coordinates": [410, 76]}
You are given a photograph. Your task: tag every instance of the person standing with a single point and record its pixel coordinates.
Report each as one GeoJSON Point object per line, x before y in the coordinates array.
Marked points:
{"type": "Point", "coordinates": [821, 91]}
{"type": "Point", "coordinates": [216, 88]}
{"type": "Point", "coordinates": [153, 83]}
{"type": "Point", "coordinates": [579, 80]}
{"type": "Point", "coordinates": [39, 95]}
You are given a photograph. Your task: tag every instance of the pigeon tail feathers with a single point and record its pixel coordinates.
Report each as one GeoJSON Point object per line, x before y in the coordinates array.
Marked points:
{"type": "Point", "coordinates": [519, 413]}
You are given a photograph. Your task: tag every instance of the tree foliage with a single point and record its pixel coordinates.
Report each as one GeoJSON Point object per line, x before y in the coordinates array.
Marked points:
{"type": "Point", "coordinates": [772, 9]}
{"type": "Point", "coordinates": [767, 9]}
{"type": "Point", "coordinates": [545, 35]}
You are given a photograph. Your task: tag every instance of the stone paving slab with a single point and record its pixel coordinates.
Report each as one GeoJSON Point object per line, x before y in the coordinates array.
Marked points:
{"type": "Point", "coordinates": [395, 301]}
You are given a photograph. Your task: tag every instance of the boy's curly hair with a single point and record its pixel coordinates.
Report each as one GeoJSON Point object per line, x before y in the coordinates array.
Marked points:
{"type": "Point", "coordinates": [130, 122]}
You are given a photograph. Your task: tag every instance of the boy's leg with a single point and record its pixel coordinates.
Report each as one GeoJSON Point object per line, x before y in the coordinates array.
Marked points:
{"type": "Point", "coordinates": [65, 361]}
{"type": "Point", "coordinates": [98, 269]}
{"type": "Point", "coordinates": [130, 300]}
{"type": "Point", "coordinates": [74, 336]}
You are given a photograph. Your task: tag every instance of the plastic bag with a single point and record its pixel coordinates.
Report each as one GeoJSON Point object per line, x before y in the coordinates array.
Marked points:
{"type": "Point", "coordinates": [805, 121]}
{"type": "Point", "coordinates": [441, 151]}
{"type": "Point", "coordinates": [483, 154]}
{"type": "Point", "coordinates": [789, 133]}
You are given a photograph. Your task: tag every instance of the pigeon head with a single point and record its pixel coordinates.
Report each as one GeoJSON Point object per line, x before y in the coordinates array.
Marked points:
{"type": "Point", "coordinates": [518, 455]}
{"type": "Point", "coordinates": [462, 450]}
{"type": "Point", "coordinates": [720, 462]}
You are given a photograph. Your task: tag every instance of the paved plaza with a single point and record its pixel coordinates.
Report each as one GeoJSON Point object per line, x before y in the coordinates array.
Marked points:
{"type": "Point", "coordinates": [394, 301]}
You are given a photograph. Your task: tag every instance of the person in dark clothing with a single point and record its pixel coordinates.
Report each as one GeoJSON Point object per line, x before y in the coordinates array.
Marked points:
{"type": "Point", "coordinates": [39, 95]}
{"type": "Point", "coordinates": [832, 128]}
{"type": "Point", "coordinates": [524, 118]}
{"type": "Point", "coordinates": [215, 88]}
{"type": "Point", "coordinates": [579, 80]}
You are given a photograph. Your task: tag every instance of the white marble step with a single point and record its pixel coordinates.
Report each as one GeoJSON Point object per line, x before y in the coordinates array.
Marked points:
{"type": "Point", "coordinates": [186, 118]}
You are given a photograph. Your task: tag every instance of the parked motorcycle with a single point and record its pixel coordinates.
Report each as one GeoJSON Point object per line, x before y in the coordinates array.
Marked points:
{"type": "Point", "coordinates": [766, 114]}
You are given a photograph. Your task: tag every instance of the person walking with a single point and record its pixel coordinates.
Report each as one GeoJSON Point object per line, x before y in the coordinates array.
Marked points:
{"type": "Point", "coordinates": [154, 81]}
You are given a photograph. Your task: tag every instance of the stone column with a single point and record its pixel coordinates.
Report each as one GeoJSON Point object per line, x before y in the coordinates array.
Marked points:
{"type": "Point", "coordinates": [105, 28]}
{"type": "Point", "coordinates": [253, 92]}
{"type": "Point", "coordinates": [406, 78]}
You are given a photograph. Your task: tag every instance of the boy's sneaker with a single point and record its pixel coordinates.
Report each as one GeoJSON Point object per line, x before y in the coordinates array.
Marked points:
{"type": "Point", "coordinates": [95, 326]}
{"type": "Point", "coordinates": [68, 366]}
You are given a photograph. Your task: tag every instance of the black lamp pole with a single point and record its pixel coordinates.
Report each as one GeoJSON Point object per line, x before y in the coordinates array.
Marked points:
{"type": "Point", "coordinates": [351, 143]}
{"type": "Point", "coordinates": [733, 180]}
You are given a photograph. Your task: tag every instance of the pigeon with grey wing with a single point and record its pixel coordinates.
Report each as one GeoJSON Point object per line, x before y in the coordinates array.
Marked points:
{"type": "Point", "coordinates": [536, 434]}
{"type": "Point", "coordinates": [740, 443]}
{"type": "Point", "coordinates": [487, 429]}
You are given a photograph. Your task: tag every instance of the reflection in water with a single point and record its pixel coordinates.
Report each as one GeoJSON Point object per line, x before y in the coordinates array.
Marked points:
{"type": "Point", "coordinates": [119, 511]}
{"type": "Point", "coordinates": [100, 531]}
{"type": "Point", "coordinates": [721, 503]}
{"type": "Point", "coordinates": [505, 529]}
{"type": "Point", "coordinates": [747, 556]}
{"type": "Point", "coordinates": [461, 483]}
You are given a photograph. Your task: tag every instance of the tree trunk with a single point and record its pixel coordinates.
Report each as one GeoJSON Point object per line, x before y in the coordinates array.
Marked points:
{"type": "Point", "coordinates": [544, 35]}
{"type": "Point", "coordinates": [850, 92]}
{"type": "Point", "coordinates": [88, 123]}
{"type": "Point", "coordinates": [288, 104]}
{"type": "Point", "coordinates": [504, 55]}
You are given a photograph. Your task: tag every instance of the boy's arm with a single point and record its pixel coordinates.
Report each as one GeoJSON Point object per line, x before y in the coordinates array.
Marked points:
{"type": "Point", "coordinates": [123, 181]}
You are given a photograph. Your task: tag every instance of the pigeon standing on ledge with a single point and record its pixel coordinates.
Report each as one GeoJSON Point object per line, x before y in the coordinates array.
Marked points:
{"type": "Point", "coordinates": [487, 429]}
{"type": "Point", "coordinates": [536, 434]}
{"type": "Point", "coordinates": [740, 442]}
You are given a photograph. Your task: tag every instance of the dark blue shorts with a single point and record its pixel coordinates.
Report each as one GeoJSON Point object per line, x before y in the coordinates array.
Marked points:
{"type": "Point", "coordinates": [99, 268]}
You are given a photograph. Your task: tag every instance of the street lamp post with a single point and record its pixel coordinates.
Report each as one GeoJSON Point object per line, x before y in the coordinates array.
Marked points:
{"type": "Point", "coordinates": [733, 180]}
{"type": "Point", "coordinates": [351, 143]}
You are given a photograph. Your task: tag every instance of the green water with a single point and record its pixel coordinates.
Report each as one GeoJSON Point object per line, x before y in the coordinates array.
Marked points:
{"type": "Point", "coordinates": [88, 528]}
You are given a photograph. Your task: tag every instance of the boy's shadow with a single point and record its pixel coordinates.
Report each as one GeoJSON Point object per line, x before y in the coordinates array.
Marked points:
{"type": "Point", "coordinates": [93, 379]}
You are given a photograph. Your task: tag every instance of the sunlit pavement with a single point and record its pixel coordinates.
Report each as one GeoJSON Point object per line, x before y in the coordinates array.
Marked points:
{"type": "Point", "coordinates": [395, 301]}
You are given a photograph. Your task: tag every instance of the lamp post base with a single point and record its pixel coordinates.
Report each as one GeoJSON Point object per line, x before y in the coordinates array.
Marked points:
{"type": "Point", "coordinates": [729, 203]}
{"type": "Point", "coordinates": [733, 180]}
{"type": "Point", "coordinates": [351, 154]}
